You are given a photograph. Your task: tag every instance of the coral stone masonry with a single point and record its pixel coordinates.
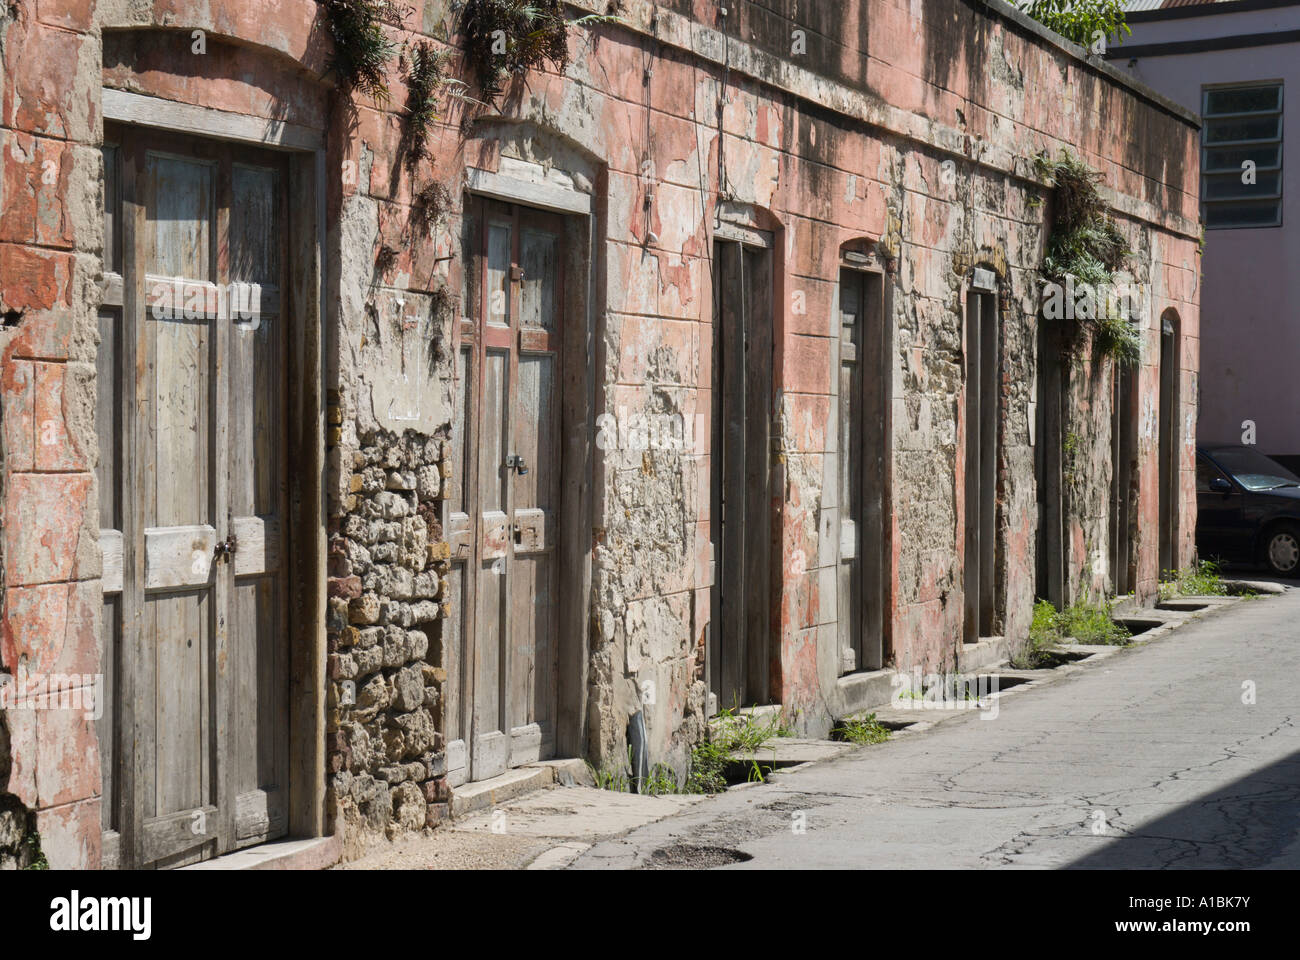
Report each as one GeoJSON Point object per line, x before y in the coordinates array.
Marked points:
{"type": "Point", "coordinates": [346, 464]}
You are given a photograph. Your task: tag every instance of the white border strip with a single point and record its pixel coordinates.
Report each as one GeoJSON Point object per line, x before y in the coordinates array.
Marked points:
{"type": "Point", "coordinates": [146, 111]}
{"type": "Point", "coordinates": [730, 230]}
{"type": "Point", "coordinates": [547, 196]}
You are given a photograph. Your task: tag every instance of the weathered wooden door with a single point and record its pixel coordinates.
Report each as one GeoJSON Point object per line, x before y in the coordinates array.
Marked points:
{"type": "Point", "coordinates": [741, 528]}
{"type": "Point", "coordinates": [503, 515]}
{"type": "Point", "coordinates": [192, 401]}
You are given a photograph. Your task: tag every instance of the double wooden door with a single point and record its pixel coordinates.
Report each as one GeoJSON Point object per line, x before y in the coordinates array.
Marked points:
{"type": "Point", "coordinates": [193, 486]}
{"type": "Point", "coordinates": [503, 511]}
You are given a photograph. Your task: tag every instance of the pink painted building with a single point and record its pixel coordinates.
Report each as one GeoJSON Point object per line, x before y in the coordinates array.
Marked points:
{"type": "Point", "coordinates": [361, 460]}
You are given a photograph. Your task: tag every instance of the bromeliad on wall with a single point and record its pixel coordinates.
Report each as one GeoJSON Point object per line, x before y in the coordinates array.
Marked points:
{"type": "Point", "coordinates": [507, 38]}
{"type": "Point", "coordinates": [1086, 252]}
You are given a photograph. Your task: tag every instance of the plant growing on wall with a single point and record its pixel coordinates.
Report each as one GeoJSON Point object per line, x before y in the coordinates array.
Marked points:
{"type": "Point", "coordinates": [1089, 23]}
{"type": "Point", "coordinates": [1085, 251]}
{"type": "Point", "coordinates": [426, 79]}
{"type": "Point", "coordinates": [361, 48]}
{"type": "Point", "coordinates": [505, 38]}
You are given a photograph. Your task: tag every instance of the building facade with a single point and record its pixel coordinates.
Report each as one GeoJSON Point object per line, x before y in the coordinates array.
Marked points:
{"type": "Point", "coordinates": [347, 460]}
{"type": "Point", "coordinates": [1232, 63]}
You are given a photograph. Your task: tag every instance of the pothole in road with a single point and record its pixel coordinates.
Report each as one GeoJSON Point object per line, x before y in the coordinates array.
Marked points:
{"type": "Point", "coordinates": [802, 802]}
{"type": "Point", "coordinates": [693, 857]}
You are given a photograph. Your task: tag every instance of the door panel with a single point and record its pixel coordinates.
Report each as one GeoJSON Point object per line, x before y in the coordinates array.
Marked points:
{"type": "Point", "coordinates": [179, 536]}
{"type": "Point", "coordinates": [459, 527]}
{"type": "Point", "coordinates": [532, 592]}
{"type": "Point", "coordinates": [1221, 529]}
{"type": "Point", "coordinates": [257, 494]}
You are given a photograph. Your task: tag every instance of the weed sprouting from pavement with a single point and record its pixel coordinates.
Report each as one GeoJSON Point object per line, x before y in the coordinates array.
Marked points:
{"type": "Point", "coordinates": [1201, 579]}
{"type": "Point", "coordinates": [1086, 622]}
{"type": "Point", "coordinates": [861, 730]}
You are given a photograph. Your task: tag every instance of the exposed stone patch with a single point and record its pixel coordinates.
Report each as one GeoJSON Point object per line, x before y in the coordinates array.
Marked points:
{"type": "Point", "coordinates": [388, 564]}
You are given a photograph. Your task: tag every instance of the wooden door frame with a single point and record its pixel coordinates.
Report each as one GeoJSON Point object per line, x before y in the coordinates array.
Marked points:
{"type": "Point", "coordinates": [577, 381]}
{"type": "Point", "coordinates": [306, 351]}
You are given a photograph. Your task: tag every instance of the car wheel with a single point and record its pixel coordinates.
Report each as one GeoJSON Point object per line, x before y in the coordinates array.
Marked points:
{"type": "Point", "coordinates": [1282, 550]}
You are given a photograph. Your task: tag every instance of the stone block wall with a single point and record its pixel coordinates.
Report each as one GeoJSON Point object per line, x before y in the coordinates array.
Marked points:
{"type": "Point", "coordinates": [387, 563]}
{"type": "Point", "coordinates": [51, 239]}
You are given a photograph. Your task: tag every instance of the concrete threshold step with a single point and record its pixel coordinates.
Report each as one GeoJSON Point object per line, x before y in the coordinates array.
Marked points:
{"type": "Point", "coordinates": [790, 751]}
{"type": "Point", "coordinates": [1258, 586]}
{"type": "Point", "coordinates": [313, 853]}
{"type": "Point", "coordinates": [482, 794]}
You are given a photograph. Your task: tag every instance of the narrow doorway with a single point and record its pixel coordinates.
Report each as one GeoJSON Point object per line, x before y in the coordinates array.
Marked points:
{"type": "Point", "coordinates": [981, 463]}
{"type": "Point", "coordinates": [1051, 387]}
{"type": "Point", "coordinates": [1123, 456]}
{"type": "Point", "coordinates": [1170, 441]}
{"type": "Point", "coordinates": [741, 455]}
{"type": "Point", "coordinates": [862, 414]}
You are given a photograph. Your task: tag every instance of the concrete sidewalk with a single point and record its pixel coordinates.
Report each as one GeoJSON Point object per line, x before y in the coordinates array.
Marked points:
{"type": "Point", "coordinates": [544, 829]}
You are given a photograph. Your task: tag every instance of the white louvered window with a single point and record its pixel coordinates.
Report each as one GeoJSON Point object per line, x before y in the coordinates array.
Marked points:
{"type": "Point", "coordinates": [1242, 126]}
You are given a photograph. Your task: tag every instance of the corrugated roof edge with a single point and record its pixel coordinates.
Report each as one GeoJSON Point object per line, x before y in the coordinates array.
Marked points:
{"type": "Point", "coordinates": [1209, 8]}
{"type": "Point", "coordinates": [1030, 25]}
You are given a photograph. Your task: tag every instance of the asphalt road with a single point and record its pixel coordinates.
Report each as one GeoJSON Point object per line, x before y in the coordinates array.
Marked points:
{"type": "Point", "coordinates": [1148, 759]}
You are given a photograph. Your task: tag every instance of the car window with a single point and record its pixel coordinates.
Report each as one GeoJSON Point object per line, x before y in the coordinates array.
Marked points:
{"type": "Point", "coordinates": [1253, 470]}
{"type": "Point", "coordinates": [1205, 472]}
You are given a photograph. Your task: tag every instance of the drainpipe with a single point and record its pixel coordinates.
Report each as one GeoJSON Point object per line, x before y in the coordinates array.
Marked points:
{"type": "Point", "coordinates": [639, 749]}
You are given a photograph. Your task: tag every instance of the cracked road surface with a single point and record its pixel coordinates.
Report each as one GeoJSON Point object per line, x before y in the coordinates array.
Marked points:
{"type": "Point", "coordinates": [1146, 759]}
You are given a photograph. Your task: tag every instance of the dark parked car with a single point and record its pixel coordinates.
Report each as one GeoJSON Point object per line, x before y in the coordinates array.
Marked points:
{"type": "Point", "coordinates": [1248, 508]}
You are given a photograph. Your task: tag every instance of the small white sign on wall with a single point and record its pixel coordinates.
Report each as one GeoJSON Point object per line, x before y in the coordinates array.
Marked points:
{"type": "Point", "coordinates": [984, 280]}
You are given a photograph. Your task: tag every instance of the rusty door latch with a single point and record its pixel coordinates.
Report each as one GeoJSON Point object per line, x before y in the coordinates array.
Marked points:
{"type": "Point", "coordinates": [517, 463]}
{"type": "Point", "coordinates": [225, 549]}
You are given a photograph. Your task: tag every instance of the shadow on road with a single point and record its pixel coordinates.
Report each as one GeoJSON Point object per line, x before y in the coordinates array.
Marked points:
{"type": "Point", "coordinates": [1250, 823]}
